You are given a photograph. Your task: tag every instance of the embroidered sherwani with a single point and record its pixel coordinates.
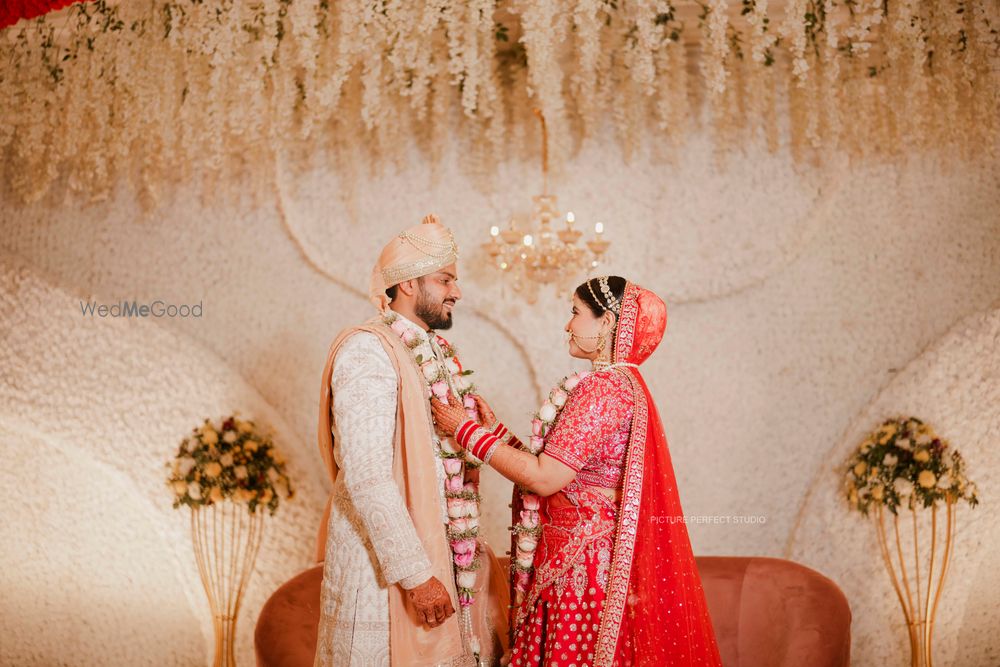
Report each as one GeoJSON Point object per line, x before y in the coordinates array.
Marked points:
{"type": "Point", "coordinates": [371, 541]}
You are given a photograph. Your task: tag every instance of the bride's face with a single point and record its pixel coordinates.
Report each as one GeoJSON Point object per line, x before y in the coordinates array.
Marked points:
{"type": "Point", "coordinates": [585, 330]}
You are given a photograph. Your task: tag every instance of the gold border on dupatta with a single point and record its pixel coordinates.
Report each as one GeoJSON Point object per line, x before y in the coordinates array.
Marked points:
{"type": "Point", "coordinates": [625, 334]}
{"type": "Point", "coordinates": [628, 525]}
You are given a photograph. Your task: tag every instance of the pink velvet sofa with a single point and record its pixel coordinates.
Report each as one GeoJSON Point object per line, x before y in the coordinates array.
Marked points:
{"type": "Point", "coordinates": [767, 612]}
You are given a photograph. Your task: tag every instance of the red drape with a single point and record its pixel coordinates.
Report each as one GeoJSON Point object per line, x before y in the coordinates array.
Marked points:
{"type": "Point", "coordinates": [665, 620]}
{"type": "Point", "coordinates": [12, 11]}
{"type": "Point", "coordinates": [656, 612]}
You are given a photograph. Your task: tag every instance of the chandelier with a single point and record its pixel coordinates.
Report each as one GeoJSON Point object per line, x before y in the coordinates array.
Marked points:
{"type": "Point", "coordinates": [532, 253]}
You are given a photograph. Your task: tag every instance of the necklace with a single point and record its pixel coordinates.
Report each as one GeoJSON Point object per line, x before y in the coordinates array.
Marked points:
{"type": "Point", "coordinates": [605, 365]}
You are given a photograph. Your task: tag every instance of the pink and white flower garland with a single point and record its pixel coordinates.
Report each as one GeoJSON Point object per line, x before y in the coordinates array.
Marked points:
{"type": "Point", "coordinates": [462, 497]}
{"type": "Point", "coordinates": [527, 531]}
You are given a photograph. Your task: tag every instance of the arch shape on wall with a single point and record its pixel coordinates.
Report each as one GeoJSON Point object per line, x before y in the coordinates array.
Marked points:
{"type": "Point", "coordinates": [122, 396]}
{"type": "Point", "coordinates": [954, 385]}
{"type": "Point", "coordinates": [317, 266]}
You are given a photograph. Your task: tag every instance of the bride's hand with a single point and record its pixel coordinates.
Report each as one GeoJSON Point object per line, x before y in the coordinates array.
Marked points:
{"type": "Point", "coordinates": [448, 417]}
{"type": "Point", "coordinates": [485, 412]}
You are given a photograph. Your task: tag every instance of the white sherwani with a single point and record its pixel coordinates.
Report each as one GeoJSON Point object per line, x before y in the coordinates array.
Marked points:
{"type": "Point", "coordinates": [372, 543]}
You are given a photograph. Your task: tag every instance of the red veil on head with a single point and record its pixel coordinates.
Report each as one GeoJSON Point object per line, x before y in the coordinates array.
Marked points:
{"type": "Point", "coordinates": [655, 611]}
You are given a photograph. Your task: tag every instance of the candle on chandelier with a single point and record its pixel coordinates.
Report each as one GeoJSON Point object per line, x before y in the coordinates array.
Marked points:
{"type": "Point", "coordinates": [570, 218]}
{"type": "Point", "coordinates": [599, 228]}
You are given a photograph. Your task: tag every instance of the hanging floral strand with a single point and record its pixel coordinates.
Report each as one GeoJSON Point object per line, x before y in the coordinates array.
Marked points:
{"type": "Point", "coordinates": [167, 90]}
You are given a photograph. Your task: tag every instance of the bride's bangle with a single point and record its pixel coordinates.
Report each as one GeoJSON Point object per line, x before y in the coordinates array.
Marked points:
{"type": "Point", "coordinates": [480, 441]}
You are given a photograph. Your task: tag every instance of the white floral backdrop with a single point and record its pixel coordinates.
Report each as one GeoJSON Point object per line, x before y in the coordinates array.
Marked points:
{"type": "Point", "coordinates": [804, 305]}
{"type": "Point", "coordinates": [158, 91]}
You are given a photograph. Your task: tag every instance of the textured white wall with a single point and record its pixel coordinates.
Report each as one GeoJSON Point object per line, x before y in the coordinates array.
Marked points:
{"type": "Point", "coordinates": [97, 567]}
{"type": "Point", "coordinates": [795, 296]}
{"type": "Point", "coordinates": [954, 385]}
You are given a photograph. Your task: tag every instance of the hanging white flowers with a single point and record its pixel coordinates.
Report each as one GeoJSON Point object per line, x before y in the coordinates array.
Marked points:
{"type": "Point", "coordinates": [166, 89]}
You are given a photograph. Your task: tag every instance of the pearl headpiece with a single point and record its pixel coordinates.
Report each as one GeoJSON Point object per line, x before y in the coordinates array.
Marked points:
{"type": "Point", "coordinates": [609, 302]}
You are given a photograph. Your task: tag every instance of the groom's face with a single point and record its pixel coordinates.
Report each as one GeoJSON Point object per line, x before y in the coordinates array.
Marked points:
{"type": "Point", "coordinates": [437, 294]}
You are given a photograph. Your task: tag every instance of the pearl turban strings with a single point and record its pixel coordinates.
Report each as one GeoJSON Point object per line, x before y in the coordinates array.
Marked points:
{"type": "Point", "coordinates": [415, 252]}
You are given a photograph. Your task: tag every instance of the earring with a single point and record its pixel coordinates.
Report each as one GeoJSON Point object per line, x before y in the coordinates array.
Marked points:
{"type": "Point", "coordinates": [603, 360]}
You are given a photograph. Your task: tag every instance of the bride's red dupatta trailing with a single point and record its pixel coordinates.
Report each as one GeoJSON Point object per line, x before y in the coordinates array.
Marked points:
{"type": "Point", "coordinates": [12, 11]}
{"type": "Point", "coordinates": [655, 612]}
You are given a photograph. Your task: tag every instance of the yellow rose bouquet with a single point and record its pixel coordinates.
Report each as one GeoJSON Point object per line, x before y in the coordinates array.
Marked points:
{"type": "Point", "coordinates": [904, 462]}
{"type": "Point", "coordinates": [232, 460]}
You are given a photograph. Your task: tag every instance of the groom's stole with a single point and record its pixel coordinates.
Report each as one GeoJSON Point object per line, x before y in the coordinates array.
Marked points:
{"type": "Point", "coordinates": [410, 642]}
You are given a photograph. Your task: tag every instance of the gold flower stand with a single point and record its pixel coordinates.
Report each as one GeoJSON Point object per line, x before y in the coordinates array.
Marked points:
{"type": "Point", "coordinates": [919, 603]}
{"type": "Point", "coordinates": [226, 539]}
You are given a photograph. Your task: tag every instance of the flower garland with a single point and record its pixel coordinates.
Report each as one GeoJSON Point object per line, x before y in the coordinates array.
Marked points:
{"type": "Point", "coordinates": [527, 531]}
{"type": "Point", "coordinates": [904, 462]}
{"type": "Point", "coordinates": [462, 497]}
{"type": "Point", "coordinates": [232, 461]}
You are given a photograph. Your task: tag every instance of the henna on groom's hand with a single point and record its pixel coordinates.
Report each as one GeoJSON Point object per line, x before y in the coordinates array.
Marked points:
{"type": "Point", "coordinates": [431, 602]}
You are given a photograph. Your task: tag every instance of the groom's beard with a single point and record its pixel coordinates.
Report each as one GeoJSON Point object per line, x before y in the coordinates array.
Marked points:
{"type": "Point", "coordinates": [433, 313]}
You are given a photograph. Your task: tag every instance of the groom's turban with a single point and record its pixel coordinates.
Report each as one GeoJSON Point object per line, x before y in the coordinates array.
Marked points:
{"type": "Point", "coordinates": [417, 251]}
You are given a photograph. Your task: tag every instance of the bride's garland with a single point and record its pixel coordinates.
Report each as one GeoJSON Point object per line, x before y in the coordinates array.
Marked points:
{"type": "Point", "coordinates": [527, 531]}
{"type": "Point", "coordinates": [442, 378]}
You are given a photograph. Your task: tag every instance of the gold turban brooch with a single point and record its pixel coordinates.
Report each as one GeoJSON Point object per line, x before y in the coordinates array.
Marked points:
{"type": "Point", "coordinates": [415, 252]}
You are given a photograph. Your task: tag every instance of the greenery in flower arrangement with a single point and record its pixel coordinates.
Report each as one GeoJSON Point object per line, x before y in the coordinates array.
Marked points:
{"type": "Point", "coordinates": [905, 463]}
{"type": "Point", "coordinates": [230, 460]}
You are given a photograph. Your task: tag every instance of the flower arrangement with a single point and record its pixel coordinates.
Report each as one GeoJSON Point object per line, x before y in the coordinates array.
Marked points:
{"type": "Point", "coordinates": [170, 87]}
{"type": "Point", "coordinates": [231, 460]}
{"type": "Point", "coordinates": [443, 377]}
{"type": "Point", "coordinates": [905, 463]}
{"type": "Point", "coordinates": [527, 531]}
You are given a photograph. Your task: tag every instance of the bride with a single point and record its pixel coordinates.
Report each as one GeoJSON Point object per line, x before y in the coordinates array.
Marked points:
{"type": "Point", "coordinates": [609, 578]}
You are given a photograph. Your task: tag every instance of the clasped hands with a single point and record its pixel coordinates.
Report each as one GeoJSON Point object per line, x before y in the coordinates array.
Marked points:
{"type": "Point", "coordinates": [449, 416]}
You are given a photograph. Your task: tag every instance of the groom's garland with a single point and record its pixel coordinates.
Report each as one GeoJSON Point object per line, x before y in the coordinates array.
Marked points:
{"type": "Point", "coordinates": [462, 497]}
{"type": "Point", "coordinates": [526, 531]}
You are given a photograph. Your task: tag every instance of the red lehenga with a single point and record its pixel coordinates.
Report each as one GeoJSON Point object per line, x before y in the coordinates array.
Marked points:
{"type": "Point", "coordinates": [615, 585]}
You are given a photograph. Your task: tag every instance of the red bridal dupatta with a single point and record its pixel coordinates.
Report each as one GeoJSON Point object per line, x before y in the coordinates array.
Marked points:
{"type": "Point", "coordinates": [655, 612]}
{"type": "Point", "coordinates": [12, 11]}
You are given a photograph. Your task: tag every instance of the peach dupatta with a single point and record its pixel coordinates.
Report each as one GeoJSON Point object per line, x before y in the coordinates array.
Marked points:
{"type": "Point", "coordinates": [410, 642]}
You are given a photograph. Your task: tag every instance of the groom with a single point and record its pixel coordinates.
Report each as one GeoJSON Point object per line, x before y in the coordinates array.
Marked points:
{"type": "Point", "coordinates": [389, 594]}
